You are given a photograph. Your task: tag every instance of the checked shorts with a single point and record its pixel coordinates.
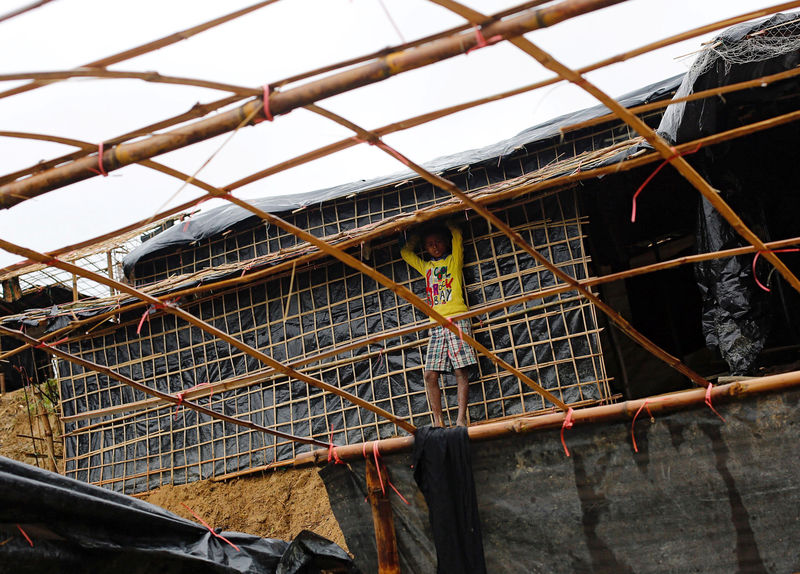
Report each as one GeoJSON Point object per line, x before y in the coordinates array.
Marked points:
{"type": "Point", "coordinates": [446, 351]}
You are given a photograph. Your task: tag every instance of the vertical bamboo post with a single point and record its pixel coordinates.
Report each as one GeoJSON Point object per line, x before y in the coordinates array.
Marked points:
{"type": "Point", "coordinates": [2, 384]}
{"type": "Point", "coordinates": [110, 262]}
{"type": "Point", "coordinates": [74, 287]}
{"type": "Point", "coordinates": [385, 540]}
{"type": "Point", "coordinates": [47, 429]}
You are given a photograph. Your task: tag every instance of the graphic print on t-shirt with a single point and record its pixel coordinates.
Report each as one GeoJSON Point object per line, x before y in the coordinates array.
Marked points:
{"type": "Point", "coordinates": [439, 285]}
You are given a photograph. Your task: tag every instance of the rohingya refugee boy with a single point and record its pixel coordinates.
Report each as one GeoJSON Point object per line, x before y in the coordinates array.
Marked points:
{"type": "Point", "coordinates": [444, 287]}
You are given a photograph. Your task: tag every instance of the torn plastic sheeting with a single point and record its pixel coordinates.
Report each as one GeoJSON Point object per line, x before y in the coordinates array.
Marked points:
{"type": "Point", "coordinates": [75, 527]}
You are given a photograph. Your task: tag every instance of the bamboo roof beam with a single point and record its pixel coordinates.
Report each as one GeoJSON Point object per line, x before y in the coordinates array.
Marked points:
{"type": "Point", "coordinates": [283, 102]}
{"type": "Point", "coordinates": [149, 46]}
{"type": "Point", "coordinates": [153, 392]}
{"type": "Point", "coordinates": [200, 324]}
{"type": "Point", "coordinates": [520, 242]}
{"type": "Point", "coordinates": [23, 9]}
{"type": "Point", "coordinates": [350, 142]}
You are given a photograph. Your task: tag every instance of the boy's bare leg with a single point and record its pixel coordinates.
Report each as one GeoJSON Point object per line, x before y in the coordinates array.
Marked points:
{"type": "Point", "coordinates": [434, 394]}
{"type": "Point", "coordinates": [462, 378]}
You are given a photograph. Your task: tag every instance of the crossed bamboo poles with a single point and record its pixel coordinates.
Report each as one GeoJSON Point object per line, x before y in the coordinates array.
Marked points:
{"type": "Point", "coordinates": [575, 78]}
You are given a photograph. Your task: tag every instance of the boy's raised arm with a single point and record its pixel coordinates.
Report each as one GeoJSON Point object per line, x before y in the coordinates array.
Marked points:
{"type": "Point", "coordinates": [457, 243]}
{"type": "Point", "coordinates": [409, 254]}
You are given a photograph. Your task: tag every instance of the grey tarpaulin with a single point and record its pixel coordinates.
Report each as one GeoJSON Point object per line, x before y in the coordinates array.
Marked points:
{"type": "Point", "coordinates": [75, 528]}
{"type": "Point", "coordinates": [736, 318]}
{"type": "Point", "coordinates": [699, 496]}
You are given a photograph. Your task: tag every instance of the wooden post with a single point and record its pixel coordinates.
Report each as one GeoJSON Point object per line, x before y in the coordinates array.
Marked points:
{"type": "Point", "coordinates": [385, 540]}
{"type": "Point", "coordinates": [74, 287]}
{"type": "Point", "coordinates": [47, 429]}
{"type": "Point", "coordinates": [2, 384]}
{"type": "Point", "coordinates": [110, 261]}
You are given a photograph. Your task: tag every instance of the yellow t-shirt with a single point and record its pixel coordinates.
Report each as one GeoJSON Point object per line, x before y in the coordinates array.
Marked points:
{"type": "Point", "coordinates": [444, 282]}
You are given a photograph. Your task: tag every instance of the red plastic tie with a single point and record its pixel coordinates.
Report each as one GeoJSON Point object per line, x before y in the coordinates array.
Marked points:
{"type": "Point", "coordinates": [25, 534]}
{"type": "Point", "coordinates": [180, 396]}
{"type": "Point", "coordinates": [708, 402]}
{"type": "Point", "coordinates": [332, 454]}
{"type": "Point", "coordinates": [755, 259]}
{"type": "Point", "coordinates": [376, 454]}
{"type": "Point", "coordinates": [267, 112]}
{"type": "Point", "coordinates": [100, 169]}
{"type": "Point", "coordinates": [44, 344]}
{"type": "Point", "coordinates": [568, 422]}
{"type": "Point", "coordinates": [481, 42]}
{"type": "Point", "coordinates": [655, 171]}
{"type": "Point", "coordinates": [211, 530]}
{"type": "Point", "coordinates": [652, 418]}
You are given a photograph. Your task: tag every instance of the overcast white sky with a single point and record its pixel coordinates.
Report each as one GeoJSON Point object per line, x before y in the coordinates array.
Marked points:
{"type": "Point", "coordinates": [274, 42]}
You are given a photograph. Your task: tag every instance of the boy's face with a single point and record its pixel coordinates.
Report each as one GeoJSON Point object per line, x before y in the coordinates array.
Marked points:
{"type": "Point", "coordinates": [435, 245]}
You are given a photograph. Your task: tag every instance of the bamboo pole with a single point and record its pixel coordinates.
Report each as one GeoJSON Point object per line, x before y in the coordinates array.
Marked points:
{"type": "Point", "coordinates": [153, 392]}
{"type": "Point", "coordinates": [47, 429]}
{"type": "Point", "coordinates": [590, 415]}
{"type": "Point", "coordinates": [518, 240]}
{"type": "Point", "coordinates": [283, 102]}
{"type": "Point", "coordinates": [149, 46]}
{"type": "Point", "coordinates": [152, 77]}
{"type": "Point", "coordinates": [23, 9]}
{"type": "Point", "coordinates": [191, 319]}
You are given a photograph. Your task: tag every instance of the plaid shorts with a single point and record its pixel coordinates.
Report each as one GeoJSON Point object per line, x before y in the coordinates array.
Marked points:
{"type": "Point", "coordinates": [447, 352]}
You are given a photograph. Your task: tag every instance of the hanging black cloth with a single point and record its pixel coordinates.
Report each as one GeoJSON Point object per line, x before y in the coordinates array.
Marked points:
{"type": "Point", "coordinates": [443, 471]}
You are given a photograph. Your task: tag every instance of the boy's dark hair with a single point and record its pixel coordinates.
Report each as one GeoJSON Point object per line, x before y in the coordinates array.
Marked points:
{"type": "Point", "coordinates": [435, 229]}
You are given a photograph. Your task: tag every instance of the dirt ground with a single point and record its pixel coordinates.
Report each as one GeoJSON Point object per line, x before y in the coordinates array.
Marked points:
{"type": "Point", "coordinates": [274, 504]}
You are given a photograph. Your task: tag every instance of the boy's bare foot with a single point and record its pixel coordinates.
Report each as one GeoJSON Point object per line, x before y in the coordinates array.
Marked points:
{"type": "Point", "coordinates": [460, 423]}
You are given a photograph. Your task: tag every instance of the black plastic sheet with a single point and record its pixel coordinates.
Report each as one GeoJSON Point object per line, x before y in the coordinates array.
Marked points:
{"type": "Point", "coordinates": [74, 527]}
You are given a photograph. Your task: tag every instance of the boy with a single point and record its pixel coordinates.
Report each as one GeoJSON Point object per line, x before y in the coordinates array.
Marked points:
{"type": "Point", "coordinates": [444, 287]}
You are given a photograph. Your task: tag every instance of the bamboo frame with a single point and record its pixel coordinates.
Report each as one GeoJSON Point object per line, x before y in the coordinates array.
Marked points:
{"type": "Point", "coordinates": [370, 136]}
{"type": "Point", "coordinates": [404, 124]}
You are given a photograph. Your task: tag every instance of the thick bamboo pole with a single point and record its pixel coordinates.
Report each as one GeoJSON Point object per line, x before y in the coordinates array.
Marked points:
{"type": "Point", "coordinates": [283, 102]}
{"type": "Point", "coordinates": [590, 415]}
{"type": "Point", "coordinates": [149, 46]}
{"type": "Point", "coordinates": [191, 319]}
{"type": "Point", "coordinates": [153, 392]}
{"type": "Point", "coordinates": [23, 9]}
{"type": "Point", "coordinates": [518, 240]}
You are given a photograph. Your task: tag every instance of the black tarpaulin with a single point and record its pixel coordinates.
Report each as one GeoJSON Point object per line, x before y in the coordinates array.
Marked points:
{"type": "Point", "coordinates": [74, 527]}
{"type": "Point", "coordinates": [736, 318]}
